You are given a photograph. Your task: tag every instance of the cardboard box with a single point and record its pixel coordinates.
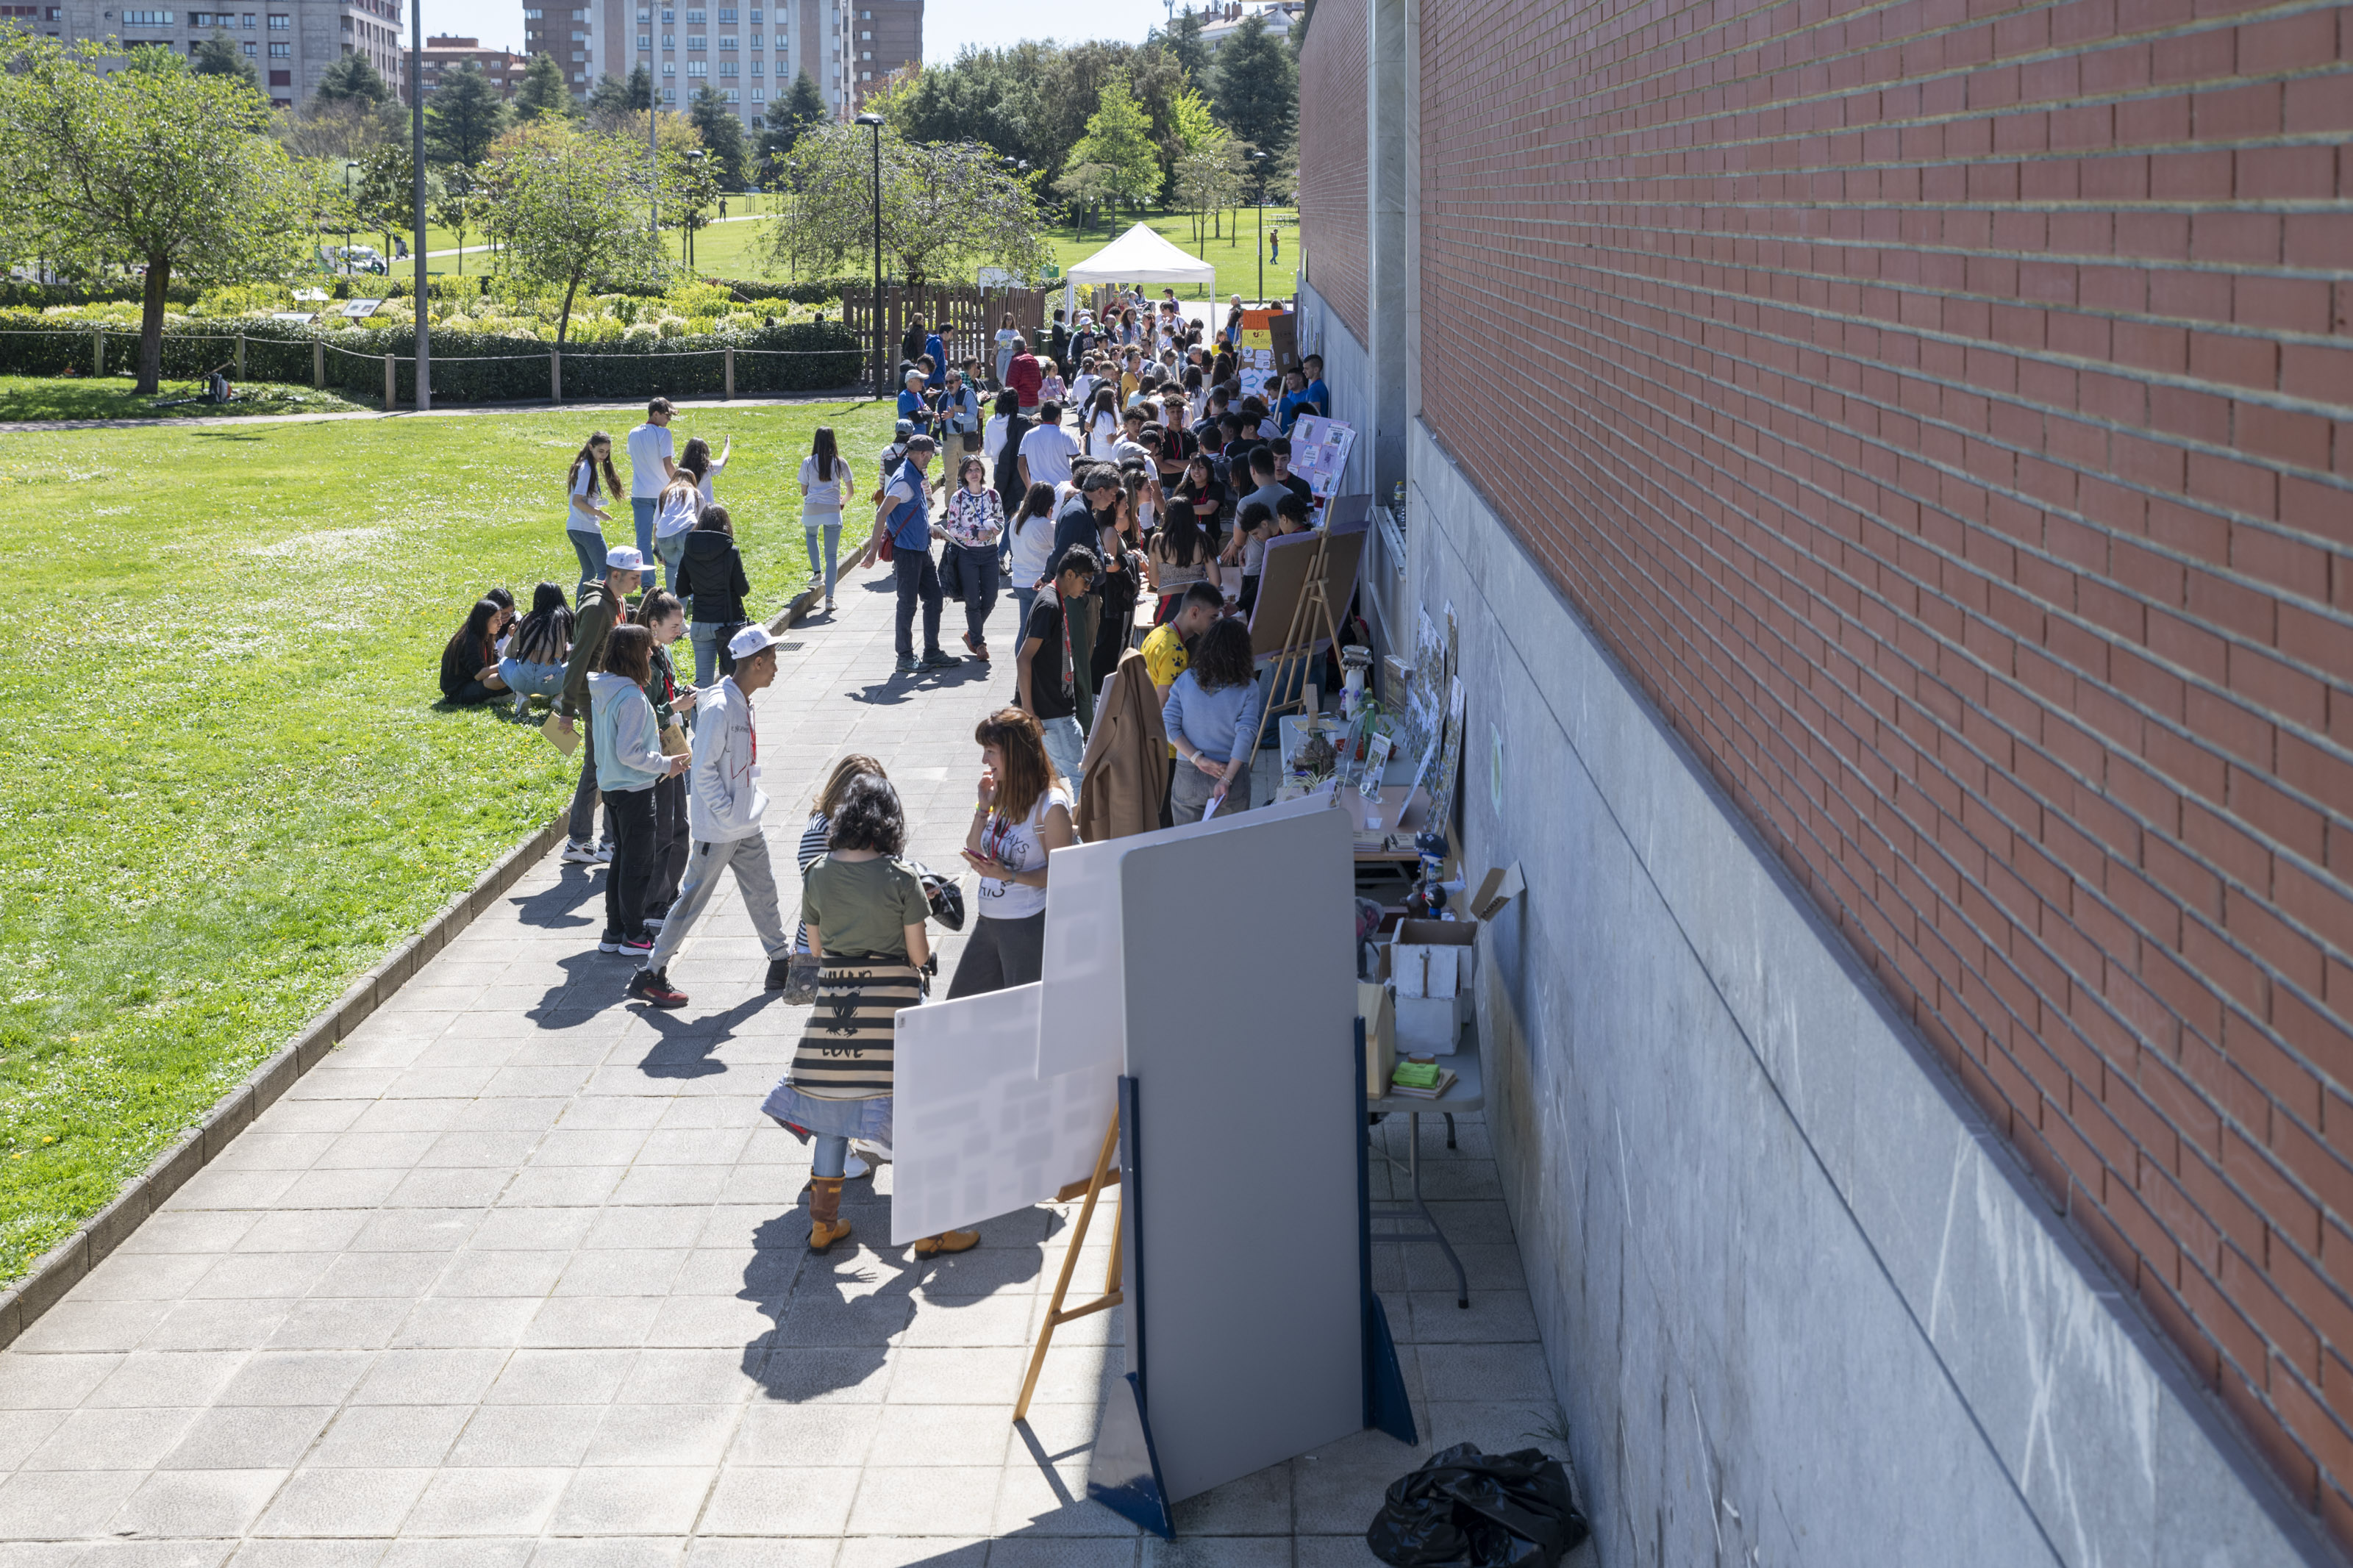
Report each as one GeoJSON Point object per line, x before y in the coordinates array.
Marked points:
{"type": "Point", "coordinates": [1374, 1007]}
{"type": "Point", "coordinates": [1433, 967]}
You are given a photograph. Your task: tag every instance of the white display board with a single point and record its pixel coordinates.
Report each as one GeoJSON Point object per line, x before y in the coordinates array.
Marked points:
{"type": "Point", "coordinates": [976, 1132]}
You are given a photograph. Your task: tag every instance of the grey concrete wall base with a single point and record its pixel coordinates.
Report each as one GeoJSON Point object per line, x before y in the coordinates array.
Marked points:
{"type": "Point", "coordinates": [1798, 1303]}
{"type": "Point", "coordinates": [57, 1270]}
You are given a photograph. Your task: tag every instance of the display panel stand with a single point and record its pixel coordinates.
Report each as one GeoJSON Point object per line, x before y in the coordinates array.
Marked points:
{"type": "Point", "coordinates": [1105, 1175]}
{"type": "Point", "coordinates": [1311, 620]}
{"type": "Point", "coordinates": [1123, 1471]}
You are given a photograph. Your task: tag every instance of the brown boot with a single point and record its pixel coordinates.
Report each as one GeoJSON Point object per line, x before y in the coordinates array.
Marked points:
{"type": "Point", "coordinates": [947, 1241]}
{"type": "Point", "coordinates": [825, 1225]}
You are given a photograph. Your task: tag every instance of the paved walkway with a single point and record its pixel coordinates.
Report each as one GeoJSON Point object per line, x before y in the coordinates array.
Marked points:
{"type": "Point", "coordinates": [519, 1276]}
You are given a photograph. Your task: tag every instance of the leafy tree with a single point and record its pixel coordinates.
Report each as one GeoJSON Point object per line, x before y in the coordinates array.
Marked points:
{"type": "Point", "coordinates": [455, 202]}
{"type": "Point", "coordinates": [723, 136]}
{"type": "Point", "coordinates": [348, 77]}
{"type": "Point", "coordinates": [1183, 44]}
{"type": "Point", "coordinates": [1032, 102]}
{"type": "Point", "coordinates": [948, 208]}
{"type": "Point", "coordinates": [462, 117]}
{"type": "Point", "coordinates": [385, 194]}
{"type": "Point", "coordinates": [1204, 149]}
{"type": "Point", "coordinates": [1085, 186]}
{"type": "Point", "coordinates": [1211, 180]}
{"type": "Point", "coordinates": [176, 170]}
{"type": "Point", "coordinates": [217, 56]}
{"type": "Point", "coordinates": [785, 124]}
{"type": "Point", "coordinates": [337, 132]}
{"type": "Point", "coordinates": [608, 100]}
{"type": "Point", "coordinates": [544, 95]}
{"type": "Point", "coordinates": [1119, 139]}
{"type": "Point", "coordinates": [155, 60]}
{"type": "Point", "coordinates": [558, 203]}
{"type": "Point", "coordinates": [1257, 89]}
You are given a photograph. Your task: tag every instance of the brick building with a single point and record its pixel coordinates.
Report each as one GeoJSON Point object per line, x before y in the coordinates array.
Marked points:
{"type": "Point", "coordinates": [889, 37]}
{"type": "Point", "coordinates": [1893, 468]}
{"type": "Point", "coordinates": [503, 67]}
{"type": "Point", "coordinates": [290, 42]}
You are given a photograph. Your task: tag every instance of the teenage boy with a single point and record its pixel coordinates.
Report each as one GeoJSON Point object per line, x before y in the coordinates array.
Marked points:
{"type": "Point", "coordinates": [723, 806]}
{"type": "Point", "coordinates": [652, 467]}
{"type": "Point", "coordinates": [1318, 394]}
{"type": "Point", "coordinates": [1024, 376]}
{"type": "Point", "coordinates": [1045, 453]}
{"type": "Point", "coordinates": [1058, 344]}
{"type": "Point", "coordinates": [602, 606]}
{"type": "Point", "coordinates": [1168, 650]}
{"type": "Point", "coordinates": [1047, 673]}
{"type": "Point", "coordinates": [1264, 488]}
{"type": "Point", "coordinates": [1094, 507]}
{"type": "Point", "coordinates": [905, 519]}
{"type": "Point", "coordinates": [1280, 448]}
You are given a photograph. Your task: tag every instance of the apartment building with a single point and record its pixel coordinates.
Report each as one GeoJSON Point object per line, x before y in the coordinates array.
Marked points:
{"type": "Point", "coordinates": [889, 35]}
{"type": "Point", "coordinates": [442, 52]}
{"type": "Point", "coordinates": [748, 54]}
{"type": "Point", "coordinates": [290, 42]}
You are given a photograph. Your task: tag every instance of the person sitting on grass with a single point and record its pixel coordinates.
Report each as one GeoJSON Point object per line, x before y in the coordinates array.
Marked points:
{"type": "Point", "coordinates": [603, 606]}
{"type": "Point", "coordinates": [541, 642]}
{"type": "Point", "coordinates": [470, 661]}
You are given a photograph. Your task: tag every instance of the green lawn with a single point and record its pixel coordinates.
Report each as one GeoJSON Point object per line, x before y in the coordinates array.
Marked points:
{"type": "Point", "coordinates": [238, 789]}
{"type": "Point", "coordinates": [111, 397]}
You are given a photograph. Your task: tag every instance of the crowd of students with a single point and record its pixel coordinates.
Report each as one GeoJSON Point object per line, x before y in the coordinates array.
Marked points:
{"type": "Point", "coordinates": [1122, 467]}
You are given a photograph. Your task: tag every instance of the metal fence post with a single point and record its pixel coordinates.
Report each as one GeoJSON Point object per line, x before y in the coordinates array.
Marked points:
{"type": "Point", "coordinates": [391, 384]}
{"type": "Point", "coordinates": [555, 376]}
{"type": "Point", "coordinates": [318, 365]}
{"type": "Point", "coordinates": [730, 375]}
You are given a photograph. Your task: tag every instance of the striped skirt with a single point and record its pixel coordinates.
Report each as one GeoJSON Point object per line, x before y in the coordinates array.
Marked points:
{"type": "Point", "coordinates": [845, 1050]}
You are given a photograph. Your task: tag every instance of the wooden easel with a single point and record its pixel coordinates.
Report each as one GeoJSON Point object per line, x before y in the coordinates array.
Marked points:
{"type": "Point", "coordinates": [1311, 617]}
{"type": "Point", "coordinates": [1105, 1174]}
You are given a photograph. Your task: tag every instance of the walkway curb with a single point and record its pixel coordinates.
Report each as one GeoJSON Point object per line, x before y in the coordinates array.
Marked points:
{"type": "Point", "coordinates": [58, 1269]}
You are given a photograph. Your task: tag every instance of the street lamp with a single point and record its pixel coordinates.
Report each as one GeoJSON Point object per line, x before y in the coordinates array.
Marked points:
{"type": "Point", "coordinates": [417, 152]}
{"type": "Point", "coordinates": [694, 156]}
{"type": "Point", "coordinates": [1259, 162]}
{"type": "Point", "coordinates": [349, 168]}
{"type": "Point", "coordinates": [881, 350]}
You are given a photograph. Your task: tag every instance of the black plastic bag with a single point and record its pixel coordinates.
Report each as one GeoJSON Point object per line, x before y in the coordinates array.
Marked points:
{"type": "Point", "coordinates": [1491, 1510]}
{"type": "Point", "coordinates": [945, 894]}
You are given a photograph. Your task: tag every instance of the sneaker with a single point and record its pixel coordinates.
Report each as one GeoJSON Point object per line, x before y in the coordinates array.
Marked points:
{"type": "Point", "coordinates": [577, 853]}
{"type": "Point", "coordinates": [653, 986]}
{"type": "Point", "coordinates": [654, 923]}
{"type": "Point", "coordinates": [522, 705]}
{"type": "Point", "coordinates": [604, 853]}
{"type": "Point", "coordinates": [611, 942]}
{"type": "Point", "coordinates": [940, 658]}
{"type": "Point", "coordinates": [852, 1167]}
{"type": "Point", "coordinates": [907, 664]}
{"type": "Point", "coordinates": [637, 941]}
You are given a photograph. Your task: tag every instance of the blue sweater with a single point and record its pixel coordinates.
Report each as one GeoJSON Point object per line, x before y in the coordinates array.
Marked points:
{"type": "Point", "coordinates": [1215, 722]}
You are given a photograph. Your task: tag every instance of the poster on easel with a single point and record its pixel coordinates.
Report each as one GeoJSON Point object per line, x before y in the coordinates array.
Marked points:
{"type": "Point", "coordinates": [1254, 355]}
{"type": "Point", "coordinates": [1319, 453]}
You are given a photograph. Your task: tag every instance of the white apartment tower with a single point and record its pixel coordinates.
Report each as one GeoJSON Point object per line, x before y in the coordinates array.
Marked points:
{"type": "Point", "coordinates": [290, 42]}
{"type": "Point", "coordinates": [749, 54]}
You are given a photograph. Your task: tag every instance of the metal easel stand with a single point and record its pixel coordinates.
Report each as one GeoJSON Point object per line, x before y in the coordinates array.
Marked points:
{"type": "Point", "coordinates": [1413, 1207]}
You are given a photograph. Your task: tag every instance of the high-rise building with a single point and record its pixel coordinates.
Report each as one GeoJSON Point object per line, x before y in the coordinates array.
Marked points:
{"type": "Point", "coordinates": [503, 67]}
{"type": "Point", "coordinates": [887, 36]}
{"type": "Point", "coordinates": [749, 55]}
{"type": "Point", "coordinates": [290, 42]}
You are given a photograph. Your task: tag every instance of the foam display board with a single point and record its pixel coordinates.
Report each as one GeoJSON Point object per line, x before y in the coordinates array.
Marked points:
{"type": "Point", "coordinates": [976, 1131]}
{"type": "Point", "coordinates": [1283, 580]}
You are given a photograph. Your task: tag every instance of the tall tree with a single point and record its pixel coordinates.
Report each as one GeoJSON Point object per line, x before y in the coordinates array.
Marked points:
{"type": "Point", "coordinates": [543, 94]}
{"type": "Point", "coordinates": [217, 56]}
{"type": "Point", "coordinates": [607, 102]}
{"type": "Point", "coordinates": [1084, 185]}
{"type": "Point", "coordinates": [948, 208]}
{"type": "Point", "coordinates": [783, 127]}
{"type": "Point", "coordinates": [455, 202]}
{"type": "Point", "coordinates": [1182, 42]}
{"type": "Point", "coordinates": [559, 205]}
{"type": "Point", "coordinates": [1257, 89]}
{"type": "Point", "coordinates": [1119, 139]}
{"type": "Point", "coordinates": [176, 170]}
{"type": "Point", "coordinates": [385, 193]}
{"type": "Point", "coordinates": [462, 117]}
{"type": "Point", "coordinates": [337, 132]}
{"type": "Point", "coordinates": [348, 77]}
{"type": "Point", "coordinates": [723, 136]}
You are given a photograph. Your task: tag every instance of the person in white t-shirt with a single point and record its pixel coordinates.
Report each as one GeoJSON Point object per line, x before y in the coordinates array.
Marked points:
{"type": "Point", "coordinates": [652, 466]}
{"type": "Point", "coordinates": [825, 480]}
{"type": "Point", "coordinates": [1046, 451]}
{"type": "Point", "coordinates": [1022, 817]}
{"type": "Point", "coordinates": [592, 483]}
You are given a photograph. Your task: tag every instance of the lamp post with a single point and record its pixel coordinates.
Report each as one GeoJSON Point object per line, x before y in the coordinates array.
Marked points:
{"type": "Point", "coordinates": [881, 350]}
{"type": "Point", "coordinates": [416, 155]}
{"type": "Point", "coordinates": [1258, 167]}
{"type": "Point", "coordinates": [694, 156]}
{"type": "Point", "coordinates": [348, 167]}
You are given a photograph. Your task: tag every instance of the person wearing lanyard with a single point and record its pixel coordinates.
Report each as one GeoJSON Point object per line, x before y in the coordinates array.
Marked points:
{"type": "Point", "coordinates": [905, 518]}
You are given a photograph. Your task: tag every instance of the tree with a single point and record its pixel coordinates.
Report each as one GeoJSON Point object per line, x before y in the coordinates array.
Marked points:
{"type": "Point", "coordinates": [337, 132]}
{"type": "Point", "coordinates": [349, 77]}
{"type": "Point", "coordinates": [455, 202]}
{"type": "Point", "coordinates": [217, 56]}
{"type": "Point", "coordinates": [608, 100]}
{"type": "Point", "coordinates": [1085, 185]}
{"type": "Point", "coordinates": [1119, 139]}
{"type": "Point", "coordinates": [1032, 101]}
{"type": "Point", "coordinates": [462, 117]}
{"type": "Point", "coordinates": [1257, 89]}
{"type": "Point", "coordinates": [558, 203]}
{"type": "Point", "coordinates": [723, 136]}
{"type": "Point", "coordinates": [543, 94]}
{"type": "Point", "coordinates": [1183, 43]}
{"type": "Point", "coordinates": [176, 170]}
{"type": "Point", "coordinates": [385, 196]}
{"type": "Point", "coordinates": [1211, 180]}
{"type": "Point", "coordinates": [785, 126]}
{"type": "Point", "coordinates": [948, 208]}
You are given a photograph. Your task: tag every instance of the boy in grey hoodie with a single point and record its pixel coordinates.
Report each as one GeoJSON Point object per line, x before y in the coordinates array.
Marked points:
{"type": "Point", "coordinates": [723, 808]}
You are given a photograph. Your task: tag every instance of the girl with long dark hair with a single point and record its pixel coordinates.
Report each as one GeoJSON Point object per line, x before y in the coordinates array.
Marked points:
{"type": "Point", "coordinates": [470, 659]}
{"type": "Point", "coordinates": [533, 663]}
{"type": "Point", "coordinates": [825, 480]}
{"type": "Point", "coordinates": [591, 482]}
{"type": "Point", "coordinates": [1211, 716]}
{"type": "Point", "coordinates": [1030, 535]}
{"type": "Point", "coordinates": [711, 578]}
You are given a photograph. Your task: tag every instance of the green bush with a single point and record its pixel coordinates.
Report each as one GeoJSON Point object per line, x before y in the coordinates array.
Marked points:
{"type": "Point", "coordinates": [18, 294]}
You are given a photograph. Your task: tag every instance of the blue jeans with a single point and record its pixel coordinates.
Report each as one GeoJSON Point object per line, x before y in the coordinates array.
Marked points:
{"type": "Point", "coordinates": [706, 651]}
{"type": "Point", "coordinates": [643, 506]}
{"type": "Point", "coordinates": [829, 524]}
{"type": "Point", "coordinates": [672, 549]}
{"type": "Point", "coordinates": [590, 548]}
{"type": "Point", "coordinates": [1066, 747]}
{"type": "Point", "coordinates": [1022, 599]}
{"type": "Point", "coordinates": [532, 679]}
{"type": "Point", "coordinates": [831, 1156]}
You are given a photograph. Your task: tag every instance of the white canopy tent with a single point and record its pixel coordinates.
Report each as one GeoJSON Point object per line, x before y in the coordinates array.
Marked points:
{"type": "Point", "coordinates": [1139, 256]}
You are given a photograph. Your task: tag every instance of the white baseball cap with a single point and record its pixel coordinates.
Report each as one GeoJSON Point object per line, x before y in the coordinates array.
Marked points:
{"type": "Point", "coordinates": [753, 638]}
{"type": "Point", "coordinates": [624, 558]}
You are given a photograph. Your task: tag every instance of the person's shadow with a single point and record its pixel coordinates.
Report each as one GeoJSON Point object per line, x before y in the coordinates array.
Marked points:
{"type": "Point", "coordinates": [555, 908]}
{"type": "Point", "coordinates": [684, 1047]}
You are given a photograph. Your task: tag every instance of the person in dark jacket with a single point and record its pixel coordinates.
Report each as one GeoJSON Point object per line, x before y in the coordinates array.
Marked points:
{"type": "Point", "coordinates": [470, 661]}
{"type": "Point", "coordinates": [711, 579]}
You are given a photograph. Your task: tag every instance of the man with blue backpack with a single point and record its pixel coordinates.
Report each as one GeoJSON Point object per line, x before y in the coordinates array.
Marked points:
{"type": "Point", "coordinates": [903, 521]}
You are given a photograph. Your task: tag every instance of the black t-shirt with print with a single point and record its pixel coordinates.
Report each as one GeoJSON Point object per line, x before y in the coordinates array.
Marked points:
{"type": "Point", "coordinates": [1050, 696]}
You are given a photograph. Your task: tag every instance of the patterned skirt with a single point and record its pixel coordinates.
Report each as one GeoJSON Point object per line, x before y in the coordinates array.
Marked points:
{"type": "Point", "coordinates": [845, 1048]}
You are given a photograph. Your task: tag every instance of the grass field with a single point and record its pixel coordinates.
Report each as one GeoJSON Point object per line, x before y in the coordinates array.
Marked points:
{"type": "Point", "coordinates": [23, 397]}
{"type": "Point", "coordinates": [235, 787]}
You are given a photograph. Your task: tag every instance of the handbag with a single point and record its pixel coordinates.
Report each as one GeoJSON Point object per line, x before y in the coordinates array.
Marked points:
{"type": "Point", "coordinates": [945, 894]}
{"type": "Point", "coordinates": [800, 980]}
{"type": "Point", "coordinates": [952, 572]}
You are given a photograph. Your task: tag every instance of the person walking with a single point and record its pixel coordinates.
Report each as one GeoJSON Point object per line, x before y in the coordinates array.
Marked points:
{"type": "Point", "coordinates": [1047, 450]}
{"type": "Point", "coordinates": [592, 483]}
{"type": "Point", "coordinates": [652, 466]}
{"type": "Point", "coordinates": [904, 520]}
{"type": "Point", "coordinates": [1023, 376]}
{"type": "Point", "coordinates": [629, 764]}
{"type": "Point", "coordinates": [665, 619]}
{"type": "Point", "coordinates": [974, 526]}
{"type": "Point", "coordinates": [825, 480]}
{"type": "Point", "coordinates": [1211, 717]}
{"type": "Point", "coordinates": [603, 606]}
{"type": "Point", "coordinates": [1048, 668]}
{"type": "Point", "coordinates": [532, 665]}
{"type": "Point", "coordinates": [1102, 424]}
{"type": "Point", "coordinates": [1023, 817]}
{"type": "Point", "coordinates": [675, 511]}
{"type": "Point", "coordinates": [864, 908]}
{"type": "Point", "coordinates": [1085, 517]}
{"type": "Point", "coordinates": [1008, 337]}
{"type": "Point", "coordinates": [724, 808]}
{"type": "Point", "coordinates": [711, 578]}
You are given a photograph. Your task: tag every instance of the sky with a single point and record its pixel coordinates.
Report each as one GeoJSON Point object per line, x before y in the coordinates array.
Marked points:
{"type": "Point", "coordinates": [948, 25]}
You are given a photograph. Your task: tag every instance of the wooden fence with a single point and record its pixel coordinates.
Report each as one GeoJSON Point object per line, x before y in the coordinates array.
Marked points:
{"type": "Point", "coordinates": [966, 317]}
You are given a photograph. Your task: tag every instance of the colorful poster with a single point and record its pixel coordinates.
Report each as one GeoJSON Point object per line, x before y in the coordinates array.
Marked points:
{"type": "Point", "coordinates": [1255, 355]}
{"type": "Point", "coordinates": [1319, 453]}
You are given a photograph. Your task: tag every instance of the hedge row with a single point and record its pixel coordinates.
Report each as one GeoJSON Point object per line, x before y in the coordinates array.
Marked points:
{"type": "Point", "coordinates": [16, 293]}
{"type": "Point", "coordinates": [19, 294]}
{"type": "Point", "coordinates": [475, 367]}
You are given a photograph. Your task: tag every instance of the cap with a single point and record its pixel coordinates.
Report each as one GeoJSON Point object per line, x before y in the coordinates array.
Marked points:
{"type": "Point", "coordinates": [624, 558]}
{"type": "Point", "coordinates": [921, 444]}
{"type": "Point", "coordinates": [753, 638]}
{"type": "Point", "coordinates": [906, 428]}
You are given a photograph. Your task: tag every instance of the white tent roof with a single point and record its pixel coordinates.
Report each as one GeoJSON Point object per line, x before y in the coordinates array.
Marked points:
{"type": "Point", "coordinates": [1141, 255]}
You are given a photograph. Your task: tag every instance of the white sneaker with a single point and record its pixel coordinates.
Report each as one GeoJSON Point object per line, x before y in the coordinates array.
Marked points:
{"type": "Point", "coordinates": [605, 854]}
{"type": "Point", "coordinates": [853, 1167]}
{"type": "Point", "coordinates": [580, 855]}
{"type": "Point", "coordinates": [874, 1153]}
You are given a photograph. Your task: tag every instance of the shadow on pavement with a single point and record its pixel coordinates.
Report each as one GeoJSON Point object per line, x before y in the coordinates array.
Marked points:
{"type": "Point", "coordinates": [684, 1045]}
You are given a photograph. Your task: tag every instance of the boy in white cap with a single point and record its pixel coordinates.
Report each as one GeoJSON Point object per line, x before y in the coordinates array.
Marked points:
{"type": "Point", "coordinates": [603, 606]}
{"type": "Point", "coordinates": [724, 806]}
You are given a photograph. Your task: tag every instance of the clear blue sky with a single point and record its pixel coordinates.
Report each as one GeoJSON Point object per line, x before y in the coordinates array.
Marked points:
{"type": "Point", "coordinates": [948, 25]}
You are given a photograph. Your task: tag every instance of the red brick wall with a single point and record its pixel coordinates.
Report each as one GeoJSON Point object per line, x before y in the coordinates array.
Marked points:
{"type": "Point", "coordinates": [1332, 161]}
{"type": "Point", "coordinates": [1956, 409]}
